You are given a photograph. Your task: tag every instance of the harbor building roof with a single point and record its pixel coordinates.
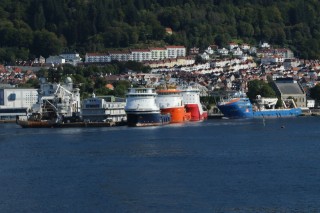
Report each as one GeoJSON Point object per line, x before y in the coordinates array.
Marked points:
{"type": "Point", "coordinates": [289, 88]}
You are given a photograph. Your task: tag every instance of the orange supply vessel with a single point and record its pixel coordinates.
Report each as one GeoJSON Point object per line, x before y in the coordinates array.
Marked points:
{"type": "Point", "coordinates": [170, 101]}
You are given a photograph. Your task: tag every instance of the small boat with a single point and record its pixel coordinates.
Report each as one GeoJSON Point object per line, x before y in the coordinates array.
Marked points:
{"type": "Point", "coordinates": [238, 105]}
{"type": "Point", "coordinates": [142, 110]}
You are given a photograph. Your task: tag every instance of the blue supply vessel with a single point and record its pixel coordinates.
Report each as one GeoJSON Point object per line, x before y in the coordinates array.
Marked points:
{"type": "Point", "coordinates": [238, 105]}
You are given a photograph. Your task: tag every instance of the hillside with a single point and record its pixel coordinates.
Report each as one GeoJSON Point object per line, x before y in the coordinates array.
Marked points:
{"type": "Point", "coordinates": [29, 28]}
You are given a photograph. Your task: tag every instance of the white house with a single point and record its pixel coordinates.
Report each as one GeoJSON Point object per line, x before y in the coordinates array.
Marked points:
{"type": "Point", "coordinates": [40, 60]}
{"type": "Point", "coordinates": [272, 59]}
{"type": "Point", "coordinates": [55, 60]}
{"type": "Point", "coordinates": [245, 47]}
{"type": "Point", "coordinates": [289, 63]}
{"type": "Point", "coordinates": [211, 49]}
{"type": "Point", "coordinates": [310, 103]}
{"type": "Point", "coordinates": [205, 56]}
{"type": "Point", "coordinates": [233, 45]}
{"type": "Point", "coordinates": [284, 52]}
{"type": "Point", "coordinates": [223, 51]}
{"type": "Point", "coordinates": [220, 63]}
{"type": "Point", "coordinates": [237, 52]}
{"type": "Point", "coordinates": [72, 58]}
{"type": "Point", "coordinates": [265, 45]}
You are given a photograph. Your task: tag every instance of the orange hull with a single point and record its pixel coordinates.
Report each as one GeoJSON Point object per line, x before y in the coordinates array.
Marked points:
{"type": "Point", "coordinates": [178, 114]}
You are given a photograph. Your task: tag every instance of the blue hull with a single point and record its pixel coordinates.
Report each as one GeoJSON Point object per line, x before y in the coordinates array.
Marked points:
{"type": "Point", "coordinates": [278, 113]}
{"type": "Point", "coordinates": [147, 119]}
{"type": "Point", "coordinates": [243, 109]}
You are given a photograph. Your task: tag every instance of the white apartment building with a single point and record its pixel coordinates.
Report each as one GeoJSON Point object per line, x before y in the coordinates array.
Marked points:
{"type": "Point", "coordinates": [175, 51]}
{"type": "Point", "coordinates": [141, 55]}
{"type": "Point", "coordinates": [158, 53]}
{"type": "Point", "coordinates": [120, 55]}
{"type": "Point", "coordinates": [97, 58]}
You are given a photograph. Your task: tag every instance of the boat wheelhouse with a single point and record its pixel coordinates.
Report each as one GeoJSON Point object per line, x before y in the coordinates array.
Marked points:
{"type": "Point", "coordinates": [191, 99]}
{"type": "Point", "coordinates": [142, 110]}
{"type": "Point", "coordinates": [170, 102]}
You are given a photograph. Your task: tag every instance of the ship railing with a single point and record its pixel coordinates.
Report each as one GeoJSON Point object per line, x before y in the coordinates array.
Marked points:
{"type": "Point", "coordinates": [233, 95]}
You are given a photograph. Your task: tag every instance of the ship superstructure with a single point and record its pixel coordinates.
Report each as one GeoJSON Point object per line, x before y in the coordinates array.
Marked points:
{"type": "Point", "coordinates": [191, 99]}
{"type": "Point", "coordinates": [170, 102]}
{"type": "Point", "coordinates": [141, 108]}
{"type": "Point", "coordinates": [57, 102]}
{"type": "Point", "coordinates": [103, 109]}
{"type": "Point", "coordinates": [238, 105]}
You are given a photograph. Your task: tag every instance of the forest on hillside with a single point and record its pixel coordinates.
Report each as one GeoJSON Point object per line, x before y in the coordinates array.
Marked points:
{"type": "Point", "coordinates": [30, 28]}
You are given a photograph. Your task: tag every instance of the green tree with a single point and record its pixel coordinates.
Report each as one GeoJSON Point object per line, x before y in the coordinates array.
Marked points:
{"type": "Point", "coordinates": [46, 43]}
{"type": "Point", "coordinates": [315, 93]}
{"type": "Point", "coordinates": [39, 17]}
{"type": "Point", "coordinates": [121, 88]}
{"type": "Point", "coordinates": [258, 87]}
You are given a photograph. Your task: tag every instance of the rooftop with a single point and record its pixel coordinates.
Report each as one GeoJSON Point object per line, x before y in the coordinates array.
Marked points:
{"type": "Point", "coordinates": [289, 88]}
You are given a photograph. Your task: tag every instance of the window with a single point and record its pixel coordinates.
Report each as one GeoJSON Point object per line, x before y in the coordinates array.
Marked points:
{"type": "Point", "coordinates": [12, 97]}
{"type": "Point", "coordinates": [1, 98]}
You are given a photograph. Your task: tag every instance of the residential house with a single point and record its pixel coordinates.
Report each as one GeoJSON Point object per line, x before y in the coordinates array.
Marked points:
{"type": "Point", "coordinates": [264, 53]}
{"type": "Point", "coordinates": [40, 60]}
{"type": "Point", "coordinates": [223, 51]}
{"type": "Point", "coordinates": [264, 45]}
{"type": "Point", "coordinates": [211, 49]}
{"type": "Point", "coordinates": [272, 59]}
{"type": "Point", "coordinates": [284, 52]}
{"type": "Point", "coordinates": [233, 45]}
{"type": "Point", "coordinates": [205, 56]}
{"type": "Point", "coordinates": [55, 60]}
{"type": "Point", "coordinates": [194, 51]}
{"type": "Point", "coordinates": [237, 52]}
{"type": "Point", "coordinates": [245, 47]}
{"type": "Point", "coordinates": [290, 63]}
{"type": "Point", "coordinates": [71, 57]}
{"type": "Point", "coordinates": [168, 31]}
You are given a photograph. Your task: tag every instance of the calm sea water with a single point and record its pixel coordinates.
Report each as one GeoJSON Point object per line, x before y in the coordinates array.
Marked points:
{"type": "Point", "coordinates": [213, 166]}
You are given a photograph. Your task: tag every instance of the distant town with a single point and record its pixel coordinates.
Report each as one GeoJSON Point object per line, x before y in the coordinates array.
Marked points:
{"type": "Point", "coordinates": [215, 70]}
